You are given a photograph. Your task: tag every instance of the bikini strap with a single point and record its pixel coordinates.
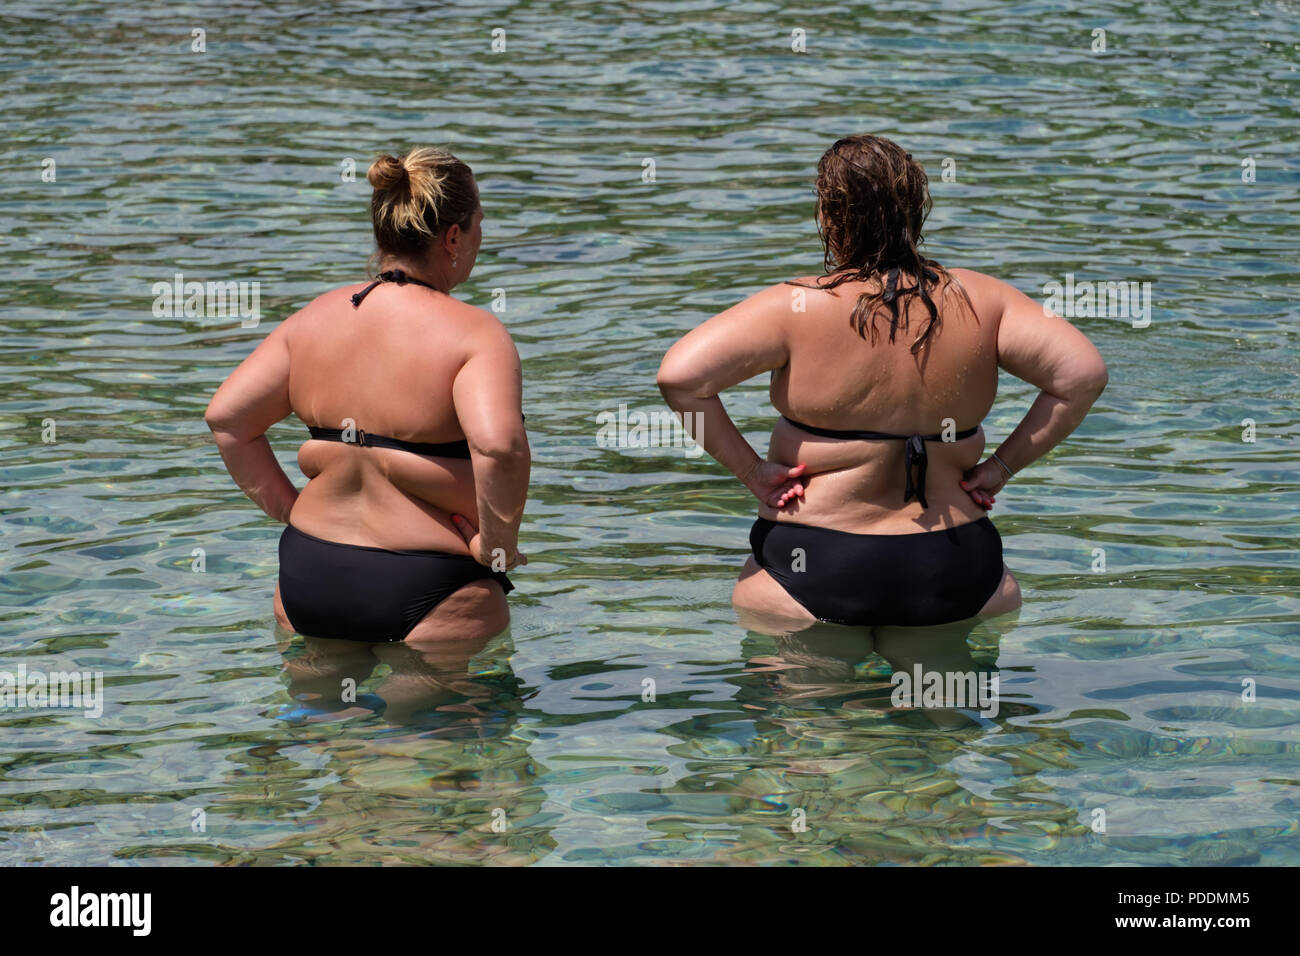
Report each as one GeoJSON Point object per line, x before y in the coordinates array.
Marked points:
{"type": "Point", "coordinates": [357, 297]}
{"type": "Point", "coordinates": [390, 275]}
{"type": "Point", "coordinates": [875, 436]}
{"type": "Point", "coordinates": [364, 439]}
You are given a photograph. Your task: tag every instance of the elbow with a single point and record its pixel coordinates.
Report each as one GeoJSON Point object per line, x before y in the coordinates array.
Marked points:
{"type": "Point", "coordinates": [1096, 380]}
{"type": "Point", "coordinates": [508, 448]}
{"type": "Point", "coordinates": [667, 378]}
{"type": "Point", "coordinates": [217, 418]}
{"type": "Point", "coordinates": [226, 425]}
{"type": "Point", "coordinates": [1087, 383]}
{"type": "Point", "coordinates": [675, 380]}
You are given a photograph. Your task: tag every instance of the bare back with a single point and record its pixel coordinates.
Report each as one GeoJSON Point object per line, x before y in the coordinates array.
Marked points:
{"type": "Point", "coordinates": [390, 367]}
{"type": "Point", "coordinates": [837, 379]}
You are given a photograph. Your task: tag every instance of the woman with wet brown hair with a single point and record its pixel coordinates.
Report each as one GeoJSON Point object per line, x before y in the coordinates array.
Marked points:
{"type": "Point", "coordinates": [882, 368]}
{"type": "Point", "coordinates": [417, 463]}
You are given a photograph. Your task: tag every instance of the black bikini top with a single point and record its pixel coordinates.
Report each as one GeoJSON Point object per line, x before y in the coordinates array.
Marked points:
{"type": "Point", "coordinates": [915, 452]}
{"type": "Point", "coordinates": [443, 449]}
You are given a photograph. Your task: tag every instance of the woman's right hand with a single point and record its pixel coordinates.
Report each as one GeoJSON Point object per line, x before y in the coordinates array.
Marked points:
{"type": "Point", "coordinates": [984, 481]}
{"type": "Point", "coordinates": [496, 559]}
{"type": "Point", "coordinates": [775, 484]}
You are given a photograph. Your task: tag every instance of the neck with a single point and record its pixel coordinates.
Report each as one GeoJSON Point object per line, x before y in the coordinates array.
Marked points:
{"type": "Point", "coordinates": [433, 274]}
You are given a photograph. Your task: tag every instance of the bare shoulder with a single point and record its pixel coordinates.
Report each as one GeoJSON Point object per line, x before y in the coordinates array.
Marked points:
{"type": "Point", "coordinates": [323, 303]}
{"type": "Point", "coordinates": [812, 282]}
{"type": "Point", "coordinates": [772, 302]}
{"type": "Point", "coordinates": [816, 283]}
{"type": "Point", "coordinates": [976, 282]}
{"type": "Point", "coordinates": [326, 301]}
{"type": "Point", "coordinates": [482, 329]}
{"type": "Point", "coordinates": [478, 319]}
{"type": "Point", "coordinates": [798, 294]}
{"type": "Point", "coordinates": [986, 293]}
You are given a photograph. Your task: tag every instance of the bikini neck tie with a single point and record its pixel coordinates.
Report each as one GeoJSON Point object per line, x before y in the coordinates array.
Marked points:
{"type": "Point", "coordinates": [391, 275]}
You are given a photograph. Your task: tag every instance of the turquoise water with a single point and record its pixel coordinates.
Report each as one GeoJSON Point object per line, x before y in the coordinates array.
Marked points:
{"type": "Point", "coordinates": [1121, 683]}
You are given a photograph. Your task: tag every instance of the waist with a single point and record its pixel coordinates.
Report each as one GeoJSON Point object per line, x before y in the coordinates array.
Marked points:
{"type": "Point", "coordinates": [959, 529]}
{"type": "Point", "coordinates": [379, 516]}
{"type": "Point", "coordinates": [858, 484]}
{"type": "Point", "coordinates": [292, 530]}
{"type": "Point", "coordinates": [868, 499]}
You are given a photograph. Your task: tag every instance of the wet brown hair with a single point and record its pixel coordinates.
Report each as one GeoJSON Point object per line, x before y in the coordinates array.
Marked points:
{"type": "Point", "coordinates": [417, 196]}
{"type": "Point", "coordinates": [872, 201]}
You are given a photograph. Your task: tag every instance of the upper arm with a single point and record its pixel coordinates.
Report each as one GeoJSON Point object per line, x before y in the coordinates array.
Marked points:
{"type": "Point", "coordinates": [1040, 347]}
{"type": "Point", "coordinates": [488, 393]}
{"type": "Point", "coordinates": [256, 395]}
{"type": "Point", "coordinates": [746, 340]}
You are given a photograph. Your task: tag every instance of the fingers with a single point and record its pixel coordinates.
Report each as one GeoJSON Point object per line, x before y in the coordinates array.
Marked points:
{"type": "Point", "coordinates": [467, 530]}
{"type": "Point", "coordinates": [978, 495]}
{"type": "Point", "coordinates": [988, 487]}
{"type": "Point", "coordinates": [786, 496]}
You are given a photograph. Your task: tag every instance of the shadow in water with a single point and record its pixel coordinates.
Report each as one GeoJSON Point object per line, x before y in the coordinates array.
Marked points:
{"type": "Point", "coordinates": [816, 760]}
{"type": "Point", "coordinates": [427, 686]}
{"type": "Point", "coordinates": [946, 673]}
{"type": "Point", "coordinates": [391, 753]}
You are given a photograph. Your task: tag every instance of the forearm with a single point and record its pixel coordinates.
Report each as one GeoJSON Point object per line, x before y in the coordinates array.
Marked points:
{"type": "Point", "coordinates": [707, 421]}
{"type": "Point", "coordinates": [501, 490]}
{"type": "Point", "coordinates": [253, 465]}
{"type": "Point", "coordinates": [1048, 422]}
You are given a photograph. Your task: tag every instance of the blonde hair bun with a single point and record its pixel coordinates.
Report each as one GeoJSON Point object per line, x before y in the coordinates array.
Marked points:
{"type": "Point", "coordinates": [387, 172]}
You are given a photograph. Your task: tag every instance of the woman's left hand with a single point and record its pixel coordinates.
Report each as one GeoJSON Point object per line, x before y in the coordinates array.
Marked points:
{"type": "Point", "coordinates": [984, 481]}
{"type": "Point", "coordinates": [775, 484]}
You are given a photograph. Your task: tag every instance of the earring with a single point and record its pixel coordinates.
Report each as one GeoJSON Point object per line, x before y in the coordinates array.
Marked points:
{"type": "Point", "coordinates": [453, 260]}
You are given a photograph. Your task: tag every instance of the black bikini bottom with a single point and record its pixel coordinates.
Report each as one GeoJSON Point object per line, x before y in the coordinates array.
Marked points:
{"type": "Point", "coordinates": [367, 594]}
{"type": "Point", "coordinates": [934, 577]}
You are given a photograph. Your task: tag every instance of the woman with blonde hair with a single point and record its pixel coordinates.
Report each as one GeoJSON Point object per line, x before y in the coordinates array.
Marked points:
{"type": "Point", "coordinates": [417, 461]}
